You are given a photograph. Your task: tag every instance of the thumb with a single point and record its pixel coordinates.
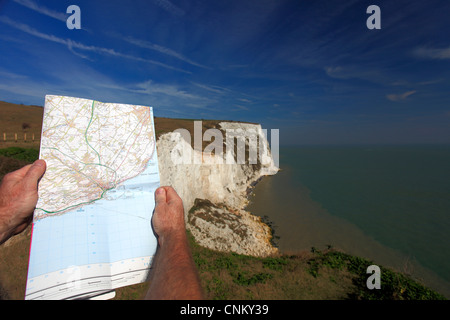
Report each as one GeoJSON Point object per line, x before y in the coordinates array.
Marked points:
{"type": "Point", "coordinates": [35, 172]}
{"type": "Point", "coordinates": [160, 195]}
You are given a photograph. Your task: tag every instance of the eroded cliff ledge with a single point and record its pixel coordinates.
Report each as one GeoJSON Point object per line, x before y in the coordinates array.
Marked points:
{"type": "Point", "coordinates": [214, 186]}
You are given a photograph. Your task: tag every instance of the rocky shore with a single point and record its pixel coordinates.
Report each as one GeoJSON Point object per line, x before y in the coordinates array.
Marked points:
{"type": "Point", "coordinates": [215, 193]}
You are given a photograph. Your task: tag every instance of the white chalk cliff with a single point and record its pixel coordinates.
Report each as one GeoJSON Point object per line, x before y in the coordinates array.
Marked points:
{"type": "Point", "coordinates": [214, 188]}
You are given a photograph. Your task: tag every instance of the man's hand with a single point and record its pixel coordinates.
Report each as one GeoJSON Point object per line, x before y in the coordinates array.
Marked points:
{"type": "Point", "coordinates": [18, 198]}
{"type": "Point", "coordinates": [168, 218]}
{"type": "Point", "coordinates": [173, 274]}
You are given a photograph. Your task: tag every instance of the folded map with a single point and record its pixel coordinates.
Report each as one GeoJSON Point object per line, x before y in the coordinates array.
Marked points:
{"type": "Point", "coordinates": [92, 223]}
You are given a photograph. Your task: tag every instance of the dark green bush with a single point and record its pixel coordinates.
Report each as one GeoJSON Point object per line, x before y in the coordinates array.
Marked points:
{"type": "Point", "coordinates": [29, 155]}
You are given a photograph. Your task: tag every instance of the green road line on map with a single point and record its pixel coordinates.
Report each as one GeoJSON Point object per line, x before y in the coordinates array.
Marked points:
{"type": "Point", "coordinates": [77, 205]}
{"type": "Point", "coordinates": [85, 134]}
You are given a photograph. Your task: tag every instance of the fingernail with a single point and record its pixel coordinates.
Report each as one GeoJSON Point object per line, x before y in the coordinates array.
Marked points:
{"type": "Point", "coordinates": [160, 191]}
{"type": "Point", "coordinates": [38, 163]}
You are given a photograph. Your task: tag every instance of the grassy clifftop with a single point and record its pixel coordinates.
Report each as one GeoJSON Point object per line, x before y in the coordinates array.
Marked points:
{"type": "Point", "coordinates": [319, 275]}
{"type": "Point", "coordinates": [316, 275]}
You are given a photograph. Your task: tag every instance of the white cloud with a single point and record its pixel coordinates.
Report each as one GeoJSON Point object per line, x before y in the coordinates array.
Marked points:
{"type": "Point", "coordinates": [149, 87]}
{"type": "Point", "coordinates": [432, 53]}
{"type": "Point", "coordinates": [12, 75]}
{"type": "Point", "coordinates": [241, 107]}
{"type": "Point", "coordinates": [71, 45]}
{"type": "Point", "coordinates": [335, 72]}
{"type": "Point", "coordinates": [29, 30]}
{"type": "Point", "coordinates": [211, 88]}
{"type": "Point", "coordinates": [161, 49]}
{"type": "Point", "coordinates": [353, 72]}
{"type": "Point", "coordinates": [43, 10]}
{"type": "Point", "coordinates": [169, 7]}
{"type": "Point", "coordinates": [166, 94]}
{"type": "Point", "coordinates": [401, 96]}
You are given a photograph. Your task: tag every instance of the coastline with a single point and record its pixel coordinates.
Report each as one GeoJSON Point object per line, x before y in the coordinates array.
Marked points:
{"type": "Point", "coordinates": [309, 224]}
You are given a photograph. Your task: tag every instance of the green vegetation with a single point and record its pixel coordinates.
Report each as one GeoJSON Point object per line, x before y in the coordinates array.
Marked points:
{"type": "Point", "coordinates": [326, 274]}
{"type": "Point", "coordinates": [15, 158]}
{"type": "Point", "coordinates": [29, 155]}
{"type": "Point", "coordinates": [394, 285]}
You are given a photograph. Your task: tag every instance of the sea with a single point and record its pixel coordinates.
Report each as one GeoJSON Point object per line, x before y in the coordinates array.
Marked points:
{"type": "Point", "coordinates": [388, 204]}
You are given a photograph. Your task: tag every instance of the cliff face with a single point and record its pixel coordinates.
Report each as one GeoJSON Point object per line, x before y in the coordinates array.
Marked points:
{"type": "Point", "coordinates": [214, 186]}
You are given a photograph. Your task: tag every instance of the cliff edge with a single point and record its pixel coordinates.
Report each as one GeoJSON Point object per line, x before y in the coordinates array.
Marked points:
{"type": "Point", "coordinates": [214, 183]}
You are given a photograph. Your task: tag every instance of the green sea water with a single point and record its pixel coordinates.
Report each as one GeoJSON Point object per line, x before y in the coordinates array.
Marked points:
{"type": "Point", "coordinates": [388, 203]}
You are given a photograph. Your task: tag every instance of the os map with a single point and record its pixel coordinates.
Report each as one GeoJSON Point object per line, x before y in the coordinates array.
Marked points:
{"type": "Point", "coordinates": [92, 224]}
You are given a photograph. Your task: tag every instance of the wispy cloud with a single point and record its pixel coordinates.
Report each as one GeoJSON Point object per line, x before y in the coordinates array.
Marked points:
{"type": "Point", "coordinates": [161, 49]}
{"type": "Point", "coordinates": [18, 90]}
{"type": "Point", "coordinates": [173, 96]}
{"type": "Point", "coordinates": [169, 7]}
{"type": "Point", "coordinates": [354, 72]}
{"type": "Point", "coordinates": [71, 45]}
{"type": "Point", "coordinates": [25, 28]}
{"type": "Point", "coordinates": [30, 4]}
{"type": "Point", "coordinates": [432, 53]}
{"type": "Point", "coordinates": [335, 72]}
{"type": "Point", "coordinates": [240, 107]}
{"type": "Point", "coordinates": [150, 87]}
{"type": "Point", "coordinates": [12, 75]}
{"type": "Point", "coordinates": [419, 83]}
{"type": "Point", "coordinates": [401, 96]}
{"type": "Point", "coordinates": [167, 94]}
{"type": "Point", "coordinates": [212, 88]}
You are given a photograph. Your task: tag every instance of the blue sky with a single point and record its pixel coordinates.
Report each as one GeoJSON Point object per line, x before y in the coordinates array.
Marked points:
{"type": "Point", "coordinates": [309, 68]}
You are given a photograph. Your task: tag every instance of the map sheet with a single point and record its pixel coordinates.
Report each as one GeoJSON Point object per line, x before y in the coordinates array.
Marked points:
{"type": "Point", "coordinates": [92, 223]}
